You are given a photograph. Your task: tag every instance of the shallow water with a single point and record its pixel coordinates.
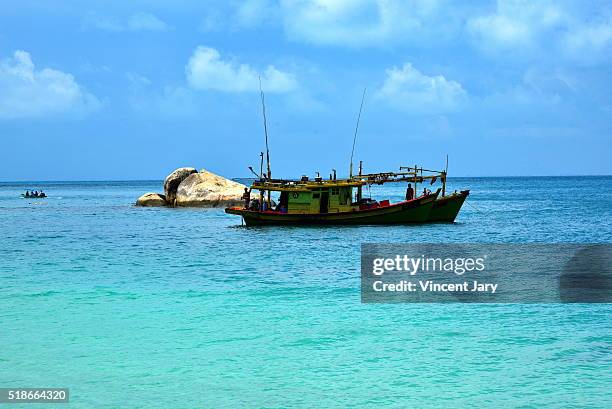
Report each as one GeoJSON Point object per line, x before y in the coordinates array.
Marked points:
{"type": "Point", "coordinates": [144, 307]}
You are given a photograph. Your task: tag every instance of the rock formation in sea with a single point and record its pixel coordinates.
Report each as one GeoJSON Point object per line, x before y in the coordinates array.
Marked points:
{"type": "Point", "coordinates": [151, 200]}
{"type": "Point", "coordinates": [206, 189]}
{"type": "Point", "coordinates": [173, 181]}
{"type": "Point", "coordinates": [186, 187]}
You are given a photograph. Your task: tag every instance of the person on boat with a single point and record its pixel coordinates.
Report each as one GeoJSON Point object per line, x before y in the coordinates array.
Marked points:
{"type": "Point", "coordinates": [246, 196]}
{"type": "Point", "coordinates": [254, 205]}
{"type": "Point", "coordinates": [27, 193]}
{"type": "Point", "coordinates": [426, 191]}
{"type": "Point", "coordinates": [409, 192]}
{"type": "Point", "coordinates": [42, 194]}
{"type": "Point", "coordinates": [35, 194]}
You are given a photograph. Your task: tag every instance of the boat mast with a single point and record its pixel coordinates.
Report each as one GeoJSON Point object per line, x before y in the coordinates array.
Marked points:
{"type": "Point", "coordinates": [416, 192]}
{"type": "Point", "coordinates": [359, 188]}
{"type": "Point", "coordinates": [261, 166]}
{"type": "Point", "coordinates": [355, 136]}
{"type": "Point", "coordinates": [263, 108]}
{"type": "Point", "coordinates": [444, 177]}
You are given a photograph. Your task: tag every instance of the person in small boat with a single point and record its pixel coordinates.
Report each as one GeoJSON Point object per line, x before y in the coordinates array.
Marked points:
{"type": "Point", "coordinates": [27, 193]}
{"type": "Point", "coordinates": [246, 196]}
{"type": "Point", "coordinates": [35, 194]}
{"type": "Point", "coordinates": [409, 192]}
{"type": "Point", "coordinates": [426, 191]}
{"type": "Point", "coordinates": [42, 194]}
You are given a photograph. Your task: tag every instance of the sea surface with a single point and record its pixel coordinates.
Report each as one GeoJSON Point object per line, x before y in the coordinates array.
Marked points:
{"type": "Point", "coordinates": [185, 308]}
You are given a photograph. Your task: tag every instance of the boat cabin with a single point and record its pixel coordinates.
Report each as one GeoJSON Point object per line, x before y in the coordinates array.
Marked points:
{"type": "Point", "coordinates": [310, 197]}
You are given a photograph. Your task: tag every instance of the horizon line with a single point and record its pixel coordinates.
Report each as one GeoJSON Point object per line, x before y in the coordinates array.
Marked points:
{"type": "Point", "coordinates": [234, 178]}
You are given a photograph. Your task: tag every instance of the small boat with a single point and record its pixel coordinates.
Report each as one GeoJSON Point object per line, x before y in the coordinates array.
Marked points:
{"type": "Point", "coordinates": [43, 196]}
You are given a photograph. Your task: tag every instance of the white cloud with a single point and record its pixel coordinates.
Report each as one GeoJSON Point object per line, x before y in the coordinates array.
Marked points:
{"type": "Point", "coordinates": [138, 81]}
{"type": "Point", "coordinates": [104, 23]}
{"type": "Point", "coordinates": [592, 41]}
{"type": "Point", "coordinates": [240, 15]}
{"type": "Point", "coordinates": [409, 90]}
{"type": "Point", "coordinates": [136, 22]}
{"type": "Point", "coordinates": [26, 92]}
{"type": "Point", "coordinates": [145, 22]}
{"type": "Point", "coordinates": [539, 28]}
{"type": "Point", "coordinates": [511, 28]}
{"type": "Point", "coordinates": [172, 102]}
{"type": "Point", "coordinates": [550, 82]}
{"type": "Point", "coordinates": [214, 20]}
{"type": "Point", "coordinates": [206, 70]}
{"type": "Point", "coordinates": [497, 30]}
{"type": "Point", "coordinates": [354, 23]}
{"type": "Point", "coordinates": [251, 13]}
{"type": "Point", "coordinates": [515, 24]}
{"type": "Point", "coordinates": [364, 22]}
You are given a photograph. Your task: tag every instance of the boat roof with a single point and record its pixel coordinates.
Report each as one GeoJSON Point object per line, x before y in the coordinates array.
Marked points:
{"type": "Point", "coordinates": [281, 185]}
{"type": "Point", "coordinates": [303, 185]}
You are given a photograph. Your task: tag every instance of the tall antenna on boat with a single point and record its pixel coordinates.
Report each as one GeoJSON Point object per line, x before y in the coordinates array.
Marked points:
{"type": "Point", "coordinates": [263, 107]}
{"type": "Point", "coordinates": [355, 137]}
{"type": "Point", "coordinates": [444, 180]}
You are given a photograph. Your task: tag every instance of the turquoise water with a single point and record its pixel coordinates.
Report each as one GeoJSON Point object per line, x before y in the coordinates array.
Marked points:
{"type": "Point", "coordinates": [185, 308]}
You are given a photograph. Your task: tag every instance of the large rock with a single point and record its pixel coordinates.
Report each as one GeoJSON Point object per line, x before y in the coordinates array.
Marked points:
{"type": "Point", "coordinates": [173, 181]}
{"type": "Point", "coordinates": [151, 200]}
{"type": "Point", "coordinates": [205, 189]}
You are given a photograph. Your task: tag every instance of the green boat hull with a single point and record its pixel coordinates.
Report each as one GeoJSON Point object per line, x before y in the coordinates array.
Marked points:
{"type": "Point", "coordinates": [446, 208]}
{"type": "Point", "coordinates": [414, 211]}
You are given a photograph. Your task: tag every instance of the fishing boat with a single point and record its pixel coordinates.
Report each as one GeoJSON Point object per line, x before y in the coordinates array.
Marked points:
{"type": "Point", "coordinates": [318, 201]}
{"type": "Point", "coordinates": [340, 201]}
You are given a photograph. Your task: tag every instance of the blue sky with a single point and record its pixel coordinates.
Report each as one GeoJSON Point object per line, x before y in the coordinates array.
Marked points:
{"type": "Point", "coordinates": [98, 90]}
